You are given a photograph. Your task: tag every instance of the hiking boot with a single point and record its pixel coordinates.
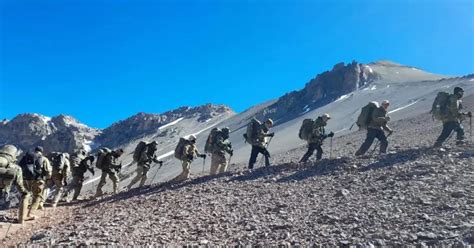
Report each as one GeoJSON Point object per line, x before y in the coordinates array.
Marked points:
{"type": "Point", "coordinates": [460, 142]}
{"type": "Point", "coordinates": [30, 217]}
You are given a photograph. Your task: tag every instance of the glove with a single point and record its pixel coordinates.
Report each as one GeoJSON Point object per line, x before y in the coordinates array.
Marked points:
{"type": "Point", "coordinates": [271, 134]}
{"type": "Point", "coordinates": [203, 156]}
{"type": "Point", "coordinates": [65, 183]}
{"type": "Point", "coordinates": [231, 152]}
{"type": "Point", "coordinates": [93, 172]}
{"type": "Point", "coordinates": [331, 134]}
{"type": "Point", "coordinates": [390, 132]}
{"type": "Point", "coordinates": [469, 114]}
{"type": "Point", "coordinates": [190, 157]}
{"type": "Point", "coordinates": [161, 163]}
{"type": "Point", "coordinates": [387, 118]}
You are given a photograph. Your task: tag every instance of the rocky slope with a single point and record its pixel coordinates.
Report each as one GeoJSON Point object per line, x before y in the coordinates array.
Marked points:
{"type": "Point", "coordinates": [60, 133]}
{"type": "Point", "coordinates": [413, 196]}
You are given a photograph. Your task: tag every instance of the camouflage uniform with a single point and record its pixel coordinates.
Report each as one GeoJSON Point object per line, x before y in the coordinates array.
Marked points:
{"type": "Point", "coordinates": [143, 165]}
{"type": "Point", "coordinates": [112, 167]}
{"type": "Point", "coordinates": [452, 120]}
{"type": "Point", "coordinates": [375, 129]}
{"type": "Point", "coordinates": [36, 187]}
{"type": "Point", "coordinates": [191, 152]}
{"type": "Point", "coordinates": [315, 140]}
{"type": "Point", "coordinates": [59, 177]}
{"type": "Point", "coordinates": [218, 159]}
{"type": "Point", "coordinates": [259, 146]}
{"type": "Point", "coordinates": [10, 174]}
{"type": "Point", "coordinates": [78, 175]}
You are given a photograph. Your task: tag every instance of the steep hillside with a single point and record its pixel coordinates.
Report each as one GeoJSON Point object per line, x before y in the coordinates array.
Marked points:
{"type": "Point", "coordinates": [413, 196]}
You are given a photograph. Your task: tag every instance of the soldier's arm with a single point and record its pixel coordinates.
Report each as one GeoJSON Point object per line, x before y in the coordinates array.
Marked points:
{"type": "Point", "coordinates": [19, 181]}
{"type": "Point", "coordinates": [47, 168]}
{"type": "Point", "coordinates": [66, 169]}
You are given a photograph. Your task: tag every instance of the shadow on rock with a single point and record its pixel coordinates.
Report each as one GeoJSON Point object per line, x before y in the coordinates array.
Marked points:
{"type": "Point", "coordinates": [318, 168]}
{"type": "Point", "coordinates": [397, 158]}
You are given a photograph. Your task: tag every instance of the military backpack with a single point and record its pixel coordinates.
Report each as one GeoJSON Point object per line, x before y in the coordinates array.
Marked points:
{"type": "Point", "coordinates": [251, 133]}
{"type": "Point", "coordinates": [365, 115]}
{"type": "Point", "coordinates": [439, 108]}
{"type": "Point", "coordinates": [306, 129]}
{"type": "Point", "coordinates": [7, 171]}
{"type": "Point", "coordinates": [141, 147]}
{"type": "Point", "coordinates": [57, 161]}
{"type": "Point", "coordinates": [179, 151]}
{"type": "Point", "coordinates": [101, 157]}
{"type": "Point", "coordinates": [211, 141]}
{"type": "Point", "coordinates": [31, 166]}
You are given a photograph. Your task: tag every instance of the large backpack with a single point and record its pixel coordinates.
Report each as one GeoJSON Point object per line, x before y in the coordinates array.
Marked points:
{"type": "Point", "coordinates": [306, 129]}
{"type": "Point", "coordinates": [57, 161]}
{"type": "Point", "coordinates": [439, 107]}
{"type": "Point", "coordinates": [101, 155]}
{"type": "Point", "coordinates": [365, 114]}
{"type": "Point", "coordinates": [31, 166]}
{"type": "Point", "coordinates": [141, 147]}
{"type": "Point", "coordinates": [7, 171]}
{"type": "Point", "coordinates": [179, 152]}
{"type": "Point", "coordinates": [251, 133]}
{"type": "Point", "coordinates": [209, 147]}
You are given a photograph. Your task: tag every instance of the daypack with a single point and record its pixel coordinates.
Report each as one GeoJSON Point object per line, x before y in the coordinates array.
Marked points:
{"type": "Point", "coordinates": [57, 161]}
{"type": "Point", "coordinates": [139, 150]}
{"type": "Point", "coordinates": [179, 152]}
{"type": "Point", "coordinates": [101, 155]}
{"type": "Point", "coordinates": [31, 166]}
{"type": "Point", "coordinates": [439, 107]}
{"type": "Point", "coordinates": [251, 134]}
{"type": "Point", "coordinates": [209, 147]}
{"type": "Point", "coordinates": [306, 129]}
{"type": "Point", "coordinates": [7, 172]}
{"type": "Point", "coordinates": [365, 114]}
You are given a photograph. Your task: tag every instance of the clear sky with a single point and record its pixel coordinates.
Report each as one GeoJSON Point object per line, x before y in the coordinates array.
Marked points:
{"type": "Point", "coordinates": [102, 61]}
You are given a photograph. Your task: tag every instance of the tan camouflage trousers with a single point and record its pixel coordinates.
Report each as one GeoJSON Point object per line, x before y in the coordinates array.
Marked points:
{"type": "Point", "coordinates": [58, 181]}
{"type": "Point", "coordinates": [35, 187]}
{"type": "Point", "coordinates": [218, 163]}
{"type": "Point", "coordinates": [115, 181]}
{"type": "Point", "coordinates": [142, 176]}
{"type": "Point", "coordinates": [186, 171]}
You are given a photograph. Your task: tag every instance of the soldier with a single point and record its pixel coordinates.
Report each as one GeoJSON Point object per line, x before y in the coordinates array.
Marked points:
{"type": "Point", "coordinates": [259, 144]}
{"type": "Point", "coordinates": [377, 124]}
{"type": "Point", "coordinates": [61, 168]}
{"type": "Point", "coordinates": [221, 145]}
{"type": "Point", "coordinates": [36, 170]}
{"type": "Point", "coordinates": [78, 172]}
{"type": "Point", "coordinates": [10, 174]}
{"type": "Point", "coordinates": [189, 153]}
{"type": "Point", "coordinates": [452, 118]}
{"type": "Point", "coordinates": [316, 137]}
{"type": "Point", "coordinates": [146, 157]}
{"type": "Point", "coordinates": [110, 167]}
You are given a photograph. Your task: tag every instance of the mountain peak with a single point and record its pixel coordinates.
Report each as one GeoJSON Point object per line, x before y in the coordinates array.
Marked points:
{"type": "Point", "coordinates": [385, 63]}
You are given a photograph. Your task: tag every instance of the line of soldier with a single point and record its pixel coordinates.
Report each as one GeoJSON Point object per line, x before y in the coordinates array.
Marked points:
{"type": "Point", "coordinates": [35, 172]}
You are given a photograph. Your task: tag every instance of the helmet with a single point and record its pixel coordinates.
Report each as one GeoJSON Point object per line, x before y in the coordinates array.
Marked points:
{"type": "Point", "coordinates": [39, 149]}
{"type": "Point", "coordinates": [269, 122]}
{"type": "Point", "coordinates": [118, 152]}
{"type": "Point", "coordinates": [154, 143]}
{"type": "Point", "coordinates": [9, 150]}
{"type": "Point", "coordinates": [385, 102]}
{"type": "Point", "coordinates": [192, 137]}
{"type": "Point", "coordinates": [225, 130]}
{"type": "Point", "coordinates": [326, 116]}
{"type": "Point", "coordinates": [458, 89]}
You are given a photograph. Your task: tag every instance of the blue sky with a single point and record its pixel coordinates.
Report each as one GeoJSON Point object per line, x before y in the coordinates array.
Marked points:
{"type": "Point", "coordinates": [102, 61]}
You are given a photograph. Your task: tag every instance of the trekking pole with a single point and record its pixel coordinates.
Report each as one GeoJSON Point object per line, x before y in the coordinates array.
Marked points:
{"type": "Point", "coordinates": [156, 173]}
{"type": "Point", "coordinates": [203, 164]}
{"type": "Point", "coordinates": [470, 127]}
{"type": "Point", "coordinates": [330, 149]}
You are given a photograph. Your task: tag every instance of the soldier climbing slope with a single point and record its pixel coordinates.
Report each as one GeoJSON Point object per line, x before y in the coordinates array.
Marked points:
{"type": "Point", "coordinates": [11, 174]}
{"type": "Point", "coordinates": [448, 109]}
{"type": "Point", "coordinates": [78, 172]}
{"type": "Point", "coordinates": [376, 123]}
{"type": "Point", "coordinates": [256, 135]}
{"type": "Point", "coordinates": [107, 161]}
{"type": "Point", "coordinates": [218, 144]}
{"type": "Point", "coordinates": [186, 151]}
{"type": "Point", "coordinates": [61, 167]}
{"type": "Point", "coordinates": [144, 156]}
{"type": "Point", "coordinates": [314, 133]}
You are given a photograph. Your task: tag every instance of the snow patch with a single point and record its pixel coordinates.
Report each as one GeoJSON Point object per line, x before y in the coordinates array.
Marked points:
{"type": "Point", "coordinates": [471, 80]}
{"type": "Point", "coordinates": [342, 97]}
{"type": "Point", "coordinates": [306, 109]}
{"type": "Point", "coordinates": [171, 123]}
{"type": "Point", "coordinates": [369, 68]}
{"type": "Point", "coordinates": [373, 87]}
{"type": "Point", "coordinates": [404, 107]}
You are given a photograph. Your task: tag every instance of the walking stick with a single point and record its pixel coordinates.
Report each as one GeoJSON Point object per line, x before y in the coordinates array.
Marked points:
{"type": "Point", "coordinates": [203, 164]}
{"type": "Point", "coordinates": [470, 127]}
{"type": "Point", "coordinates": [330, 149]}
{"type": "Point", "coordinates": [156, 173]}
{"type": "Point", "coordinates": [266, 146]}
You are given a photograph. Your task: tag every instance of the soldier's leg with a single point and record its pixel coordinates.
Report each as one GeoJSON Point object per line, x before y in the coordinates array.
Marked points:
{"type": "Point", "coordinates": [383, 141]}
{"type": "Point", "coordinates": [222, 164]}
{"type": "Point", "coordinates": [78, 181]}
{"type": "Point", "coordinates": [319, 153]}
{"type": "Point", "coordinates": [214, 163]}
{"type": "Point", "coordinates": [144, 177]}
{"type": "Point", "coordinates": [459, 129]}
{"type": "Point", "coordinates": [138, 176]}
{"type": "Point", "coordinates": [253, 156]}
{"type": "Point", "coordinates": [447, 129]}
{"type": "Point", "coordinates": [115, 181]}
{"type": "Point", "coordinates": [369, 139]}
{"type": "Point", "coordinates": [102, 182]}
{"type": "Point", "coordinates": [58, 182]}
{"type": "Point", "coordinates": [266, 154]}
{"type": "Point", "coordinates": [23, 208]}
{"type": "Point", "coordinates": [37, 187]}
{"type": "Point", "coordinates": [307, 155]}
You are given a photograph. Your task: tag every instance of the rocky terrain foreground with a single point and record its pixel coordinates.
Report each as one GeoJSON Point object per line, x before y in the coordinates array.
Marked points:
{"type": "Point", "coordinates": [415, 195]}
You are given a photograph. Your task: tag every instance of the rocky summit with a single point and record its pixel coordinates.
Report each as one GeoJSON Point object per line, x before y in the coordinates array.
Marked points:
{"type": "Point", "coordinates": [415, 195]}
